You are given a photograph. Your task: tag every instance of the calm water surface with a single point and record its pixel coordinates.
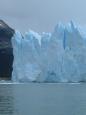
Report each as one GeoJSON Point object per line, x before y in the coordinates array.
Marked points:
{"type": "Point", "coordinates": [42, 99]}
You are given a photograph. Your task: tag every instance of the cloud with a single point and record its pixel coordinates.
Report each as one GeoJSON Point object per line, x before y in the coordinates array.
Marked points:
{"type": "Point", "coordinates": [42, 14]}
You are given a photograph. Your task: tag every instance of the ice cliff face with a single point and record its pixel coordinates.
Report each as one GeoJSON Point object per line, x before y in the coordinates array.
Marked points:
{"type": "Point", "coordinates": [59, 56]}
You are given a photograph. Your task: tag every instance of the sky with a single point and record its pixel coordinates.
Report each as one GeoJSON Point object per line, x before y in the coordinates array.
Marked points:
{"type": "Point", "coordinates": [42, 15]}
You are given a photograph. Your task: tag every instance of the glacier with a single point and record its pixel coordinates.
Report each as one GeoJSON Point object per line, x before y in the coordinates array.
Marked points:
{"type": "Point", "coordinates": [59, 56]}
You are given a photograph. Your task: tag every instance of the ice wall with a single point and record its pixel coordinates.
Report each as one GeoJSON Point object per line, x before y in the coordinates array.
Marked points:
{"type": "Point", "coordinates": [59, 56]}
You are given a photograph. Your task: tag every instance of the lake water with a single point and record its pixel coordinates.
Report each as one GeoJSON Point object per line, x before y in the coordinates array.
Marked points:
{"type": "Point", "coordinates": [42, 99]}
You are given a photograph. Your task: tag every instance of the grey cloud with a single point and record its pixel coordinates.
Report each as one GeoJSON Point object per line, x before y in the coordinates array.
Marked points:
{"type": "Point", "coordinates": [41, 15]}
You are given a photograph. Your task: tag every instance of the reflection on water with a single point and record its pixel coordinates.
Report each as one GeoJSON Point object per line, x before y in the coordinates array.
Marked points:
{"type": "Point", "coordinates": [42, 99]}
{"type": "Point", "coordinates": [6, 100]}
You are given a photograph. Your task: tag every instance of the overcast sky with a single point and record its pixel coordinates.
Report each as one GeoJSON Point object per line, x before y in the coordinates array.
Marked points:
{"type": "Point", "coordinates": [41, 15]}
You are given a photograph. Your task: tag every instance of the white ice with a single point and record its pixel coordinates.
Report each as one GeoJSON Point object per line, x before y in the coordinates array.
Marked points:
{"type": "Point", "coordinates": [59, 56]}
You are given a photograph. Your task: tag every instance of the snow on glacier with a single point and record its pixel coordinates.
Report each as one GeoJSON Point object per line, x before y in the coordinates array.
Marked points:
{"type": "Point", "coordinates": [50, 57]}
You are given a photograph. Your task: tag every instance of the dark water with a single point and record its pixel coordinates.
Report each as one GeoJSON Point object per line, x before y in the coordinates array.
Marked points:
{"type": "Point", "coordinates": [6, 100]}
{"type": "Point", "coordinates": [43, 99]}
